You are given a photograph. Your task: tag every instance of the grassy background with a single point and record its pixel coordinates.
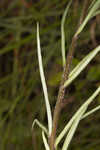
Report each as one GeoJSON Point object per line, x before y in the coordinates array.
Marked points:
{"type": "Point", "coordinates": [21, 95]}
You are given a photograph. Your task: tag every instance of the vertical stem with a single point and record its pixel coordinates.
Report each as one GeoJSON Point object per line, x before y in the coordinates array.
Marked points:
{"type": "Point", "coordinates": [66, 71]}
{"type": "Point", "coordinates": [61, 93]}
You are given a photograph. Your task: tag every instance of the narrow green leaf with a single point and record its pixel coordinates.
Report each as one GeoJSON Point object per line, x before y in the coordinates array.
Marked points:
{"type": "Point", "coordinates": [49, 116]}
{"type": "Point", "coordinates": [73, 129]}
{"type": "Point", "coordinates": [79, 68]}
{"type": "Point", "coordinates": [45, 141]}
{"type": "Point", "coordinates": [69, 124]}
{"type": "Point", "coordinates": [40, 125]}
{"type": "Point", "coordinates": [93, 8]}
{"type": "Point", "coordinates": [63, 33]}
{"type": "Point", "coordinates": [90, 112]}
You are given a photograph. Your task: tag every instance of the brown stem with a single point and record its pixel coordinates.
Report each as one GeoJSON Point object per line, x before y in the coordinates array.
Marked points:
{"type": "Point", "coordinates": [61, 93]}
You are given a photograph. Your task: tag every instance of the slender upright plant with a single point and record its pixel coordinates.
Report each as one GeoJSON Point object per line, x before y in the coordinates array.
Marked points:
{"type": "Point", "coordinates": [51, 142]}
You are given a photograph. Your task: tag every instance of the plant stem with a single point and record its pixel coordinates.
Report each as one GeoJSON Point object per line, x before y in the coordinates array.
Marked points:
{"type": "Point", "coordinates": [61, 93]}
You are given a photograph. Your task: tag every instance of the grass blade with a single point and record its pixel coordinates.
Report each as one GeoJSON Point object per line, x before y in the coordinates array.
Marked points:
{"type": "Point", "coordinates": [69, 124]}
{"type": "Point", "coordinates": [72, 130]}
{"type": "Point", "coordinates": [45, 141]}
{"type": "Point", "coordinates": [40, 125]}
{"type": "Point", "coordinates": [63, 33]}
{"type": "Point", "coordinates": [94, 6]}
{"type": "Point", "coordinates": [79, 68]}
{"type": "Point", "coordinates": [49, 116]}
{"type": "Point", "coordinates": [90, 112]}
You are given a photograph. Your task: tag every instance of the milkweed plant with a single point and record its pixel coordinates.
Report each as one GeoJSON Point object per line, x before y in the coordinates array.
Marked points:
{"type": "Point", "coordinates": [71, 126]}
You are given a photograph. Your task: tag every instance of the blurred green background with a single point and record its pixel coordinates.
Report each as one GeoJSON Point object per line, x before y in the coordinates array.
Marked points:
{"type": "Point", "coordinates": [21, 95]}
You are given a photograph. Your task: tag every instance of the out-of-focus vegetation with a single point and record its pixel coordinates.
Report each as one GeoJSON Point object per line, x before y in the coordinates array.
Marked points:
{"type": "Point", "coordinates": [21, 96]}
